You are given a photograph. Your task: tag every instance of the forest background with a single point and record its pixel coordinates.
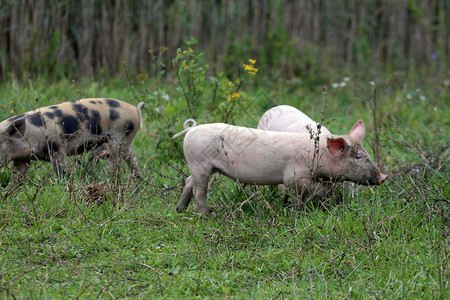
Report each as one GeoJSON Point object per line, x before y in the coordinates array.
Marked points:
{"type": "Point", "coordinates": [300, 38]}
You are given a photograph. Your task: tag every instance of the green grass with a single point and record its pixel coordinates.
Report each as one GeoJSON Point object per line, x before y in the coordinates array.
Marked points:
{"type": "Point", "coordinates": [383, 242]}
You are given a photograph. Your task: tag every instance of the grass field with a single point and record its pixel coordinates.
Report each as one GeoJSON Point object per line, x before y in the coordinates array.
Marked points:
{"type": "Point", "coordinates": [58, 241]}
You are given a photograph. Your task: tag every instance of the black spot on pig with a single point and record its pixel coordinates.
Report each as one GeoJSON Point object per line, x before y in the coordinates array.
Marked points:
{"type": "Point", "coordinates": [82, 111]}
{"type": "Point", "coordinates": [47, 150]}
{"type": "Point", "coordinates": [49, 115]}
{"type": "Point", "coordinates": [88, 146]}
{"type": "Point", "coordinates": [54, 107]}
{"type": "Point", "coordinates": [113, 115]}
{"type": "Point", "coordinates": [50, 148]}
{"type": "Point", "coordinates": [92, 102]}
{"type": "Point", "coordinates": [94, 123]}
{"type": "Point", "coordinates": [129, 127]}
{"type": "Point", "coordinates": [12, 119]}
{"type": "Point", "coordinates": [36, 119]}
{"type": "Point", "coordinates": [78, 107]}
{"type": "Point", "coordinates": [53, 147]}
{"type": "Point", "coordinates": [58, 113]}
{"type": "Point", "coordinates": [69, 124]}
{"type": "Point", "coordinates": [112, 103]}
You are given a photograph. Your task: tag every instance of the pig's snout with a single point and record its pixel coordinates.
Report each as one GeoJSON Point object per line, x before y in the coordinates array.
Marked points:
{"type": "Point", "coordinates": [381, 178]}
{"type": "Point", "coordinates": [375, 179]}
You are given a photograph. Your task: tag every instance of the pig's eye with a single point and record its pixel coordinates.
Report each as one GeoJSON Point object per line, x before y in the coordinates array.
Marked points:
{"type": "Point", "coordinates": [359, 156]}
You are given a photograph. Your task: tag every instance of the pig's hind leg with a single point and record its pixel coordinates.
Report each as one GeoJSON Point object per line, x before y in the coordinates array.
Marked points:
{"type": "Point", "coordinates": [186, 195]}
{"type": "Point", "coordinates": [129, 156]}
{"type": "Point", "coordinates": [200, 192]}
{"type": "Point", "coordinates": [197, 187]}
{"type": "Point", "coordinates": [114, 158]}
{"type": "Point", "coordinates": [200, 177]}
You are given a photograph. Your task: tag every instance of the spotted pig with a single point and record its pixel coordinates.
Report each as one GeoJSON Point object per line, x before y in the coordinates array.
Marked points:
{"type": "Point", "coordinates": [52, 133]}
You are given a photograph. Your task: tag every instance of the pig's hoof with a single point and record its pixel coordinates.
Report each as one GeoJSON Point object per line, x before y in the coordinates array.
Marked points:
{"type": "Point", "coordinates": [181, 208]}
{"type": "Point", "coordinates": [203, 211]}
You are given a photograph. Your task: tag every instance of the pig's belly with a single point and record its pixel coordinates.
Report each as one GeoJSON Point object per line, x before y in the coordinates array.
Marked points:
{"type": "Point", "coordinates": [254, 176]}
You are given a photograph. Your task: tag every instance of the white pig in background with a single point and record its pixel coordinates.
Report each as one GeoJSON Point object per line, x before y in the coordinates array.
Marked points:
{"type": "Point", "coordinates": [286, 118]}
{"type": "Point", "coordinates": [262, 157]}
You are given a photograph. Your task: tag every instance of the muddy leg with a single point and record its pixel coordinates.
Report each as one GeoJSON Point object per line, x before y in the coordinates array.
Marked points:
{"type": "Point", "coordinates": [186, 195]}
{"type": "Point", "coordinates": [59, 163]}
{"type": "Point", "coordinates": [21, 168]}
{"type": "Point", "coordinates": [201, 191]}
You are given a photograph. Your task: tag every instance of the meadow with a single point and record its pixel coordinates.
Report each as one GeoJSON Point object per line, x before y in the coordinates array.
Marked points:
{"type": "Point", "coordinates": [93, 235]}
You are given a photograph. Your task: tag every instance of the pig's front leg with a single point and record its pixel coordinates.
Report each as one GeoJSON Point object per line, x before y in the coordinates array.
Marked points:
{"type": "Point", "coordinates": [59, 162]}
{"type": "Point", "coordinates": [20, 168]}
{"type": "Point", "coordinates": [120, 150]}
{"type": "Point", "coordinates": [299, 190]}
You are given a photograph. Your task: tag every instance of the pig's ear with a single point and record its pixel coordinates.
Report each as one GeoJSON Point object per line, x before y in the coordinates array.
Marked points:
{"type": "Point", "coordinates": [358, 130]}
{"type": "Point", "coordinates": [16, 129]}
{"type": "Point", "coordinates": [336, 146]}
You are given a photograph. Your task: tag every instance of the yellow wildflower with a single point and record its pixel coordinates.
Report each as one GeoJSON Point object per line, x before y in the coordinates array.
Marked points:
{"type": "Point", "coordinates": [252, 61]}
{"type": "Point", "coordinates": [163, 48]}
{"type": "Point", "coordinates": [150, 51]}
{"type": "Point", "coordinates": [235, 95]}
{"type": "Point", "coordinates": [250, 69]}
{"type": "Point", "coordinates": [141, 77]}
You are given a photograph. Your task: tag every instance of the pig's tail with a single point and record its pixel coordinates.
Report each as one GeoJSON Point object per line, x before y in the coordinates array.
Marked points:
{"type": "Point", "coordinates": [187, 125]}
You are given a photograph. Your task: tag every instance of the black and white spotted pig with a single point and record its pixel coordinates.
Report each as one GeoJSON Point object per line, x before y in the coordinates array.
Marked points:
{"type": "Point", "coordinates": [52, 133]}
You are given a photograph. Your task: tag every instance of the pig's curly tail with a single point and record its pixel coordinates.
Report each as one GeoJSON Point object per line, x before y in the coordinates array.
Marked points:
{"type": "Point", "coordinates": [187, 125]}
